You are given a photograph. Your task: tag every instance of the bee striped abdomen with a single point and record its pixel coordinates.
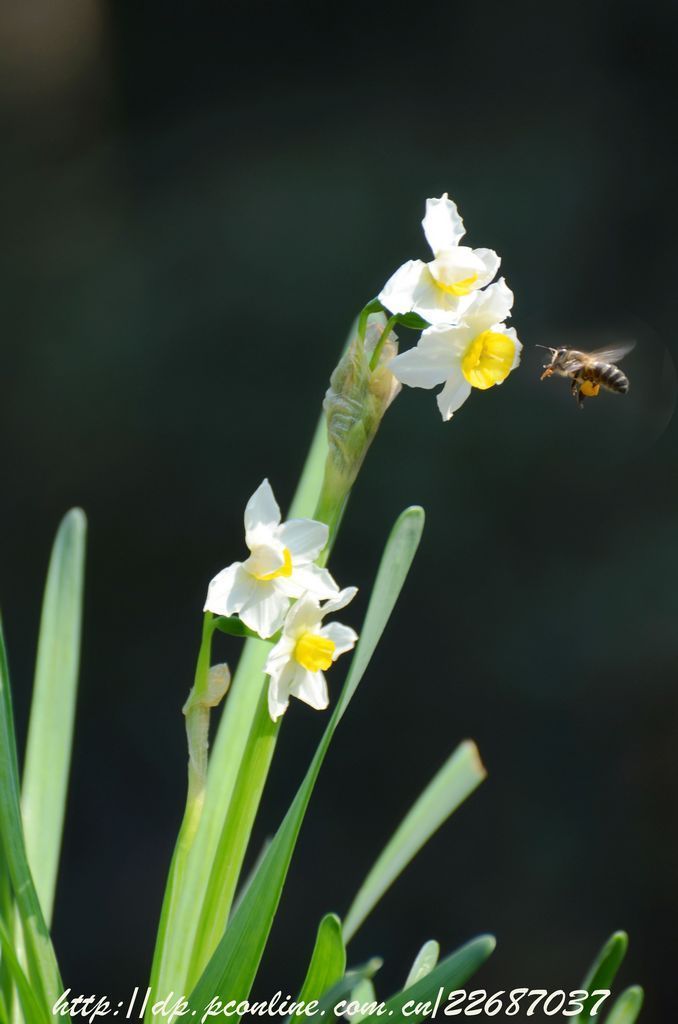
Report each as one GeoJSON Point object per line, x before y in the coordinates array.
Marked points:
{"type": "Point", "coordinates": [611, 377]}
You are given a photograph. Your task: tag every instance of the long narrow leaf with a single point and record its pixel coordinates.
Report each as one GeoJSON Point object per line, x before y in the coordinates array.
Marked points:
{"type": "Point", "coordinates": [347, 985]}
{"type": "Point", "coordinates": [48, 750]}
{"type": "Point", "coordinates": [604, 969]}
{"type": "Point", "coordinates": [33, 1010]}
{"type": "Point", "coordinates": [456, 780]}
{"type": "Point", "coordinates": [424, 962]}
{"type": "Point", "coordinates": [328, 961]}
{"type": "Point", "coordinates": [42, 966]}
{"type": "Point", "coordinates": [234, 964]}
{"type": "Point", "coordinates": [6, 918]}
{"type": "Point", "coordinates": [627, 1006]}
{"type": "Point", "coordinates": [450, 974]}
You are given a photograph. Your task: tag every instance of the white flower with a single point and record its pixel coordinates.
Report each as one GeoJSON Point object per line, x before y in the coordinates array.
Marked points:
{"type": "Point", "coordinates": [441, 290]}
{"type": "Point", "coordinates": [304, 650]}
{"type": "Point", "coordinates": [280, 567]}
{"type": "Point", "coordinates": [477, 353]}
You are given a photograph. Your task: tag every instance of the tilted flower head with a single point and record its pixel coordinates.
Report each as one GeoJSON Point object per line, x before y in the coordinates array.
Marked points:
{"type": "Point", "coordinates": [280, 567]}
{"type": "Point", "coordinates": [306, 648]}
{"type": "Point", "coordinates": [441, 290]}
{"type": "Point", "coordinates": [477, 353]}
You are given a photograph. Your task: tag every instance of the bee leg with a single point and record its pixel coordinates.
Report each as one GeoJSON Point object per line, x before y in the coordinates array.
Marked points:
{"type": "Point", "coordinates": [576, 393]}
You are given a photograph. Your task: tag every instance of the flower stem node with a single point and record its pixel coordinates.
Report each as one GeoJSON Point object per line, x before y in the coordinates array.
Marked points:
{"type": "Point", "coordinates": [306, 649]}
{"type": "Point", "coordinates": [281, 567]}
{"type": "Point", "coordinates": [361, 389]}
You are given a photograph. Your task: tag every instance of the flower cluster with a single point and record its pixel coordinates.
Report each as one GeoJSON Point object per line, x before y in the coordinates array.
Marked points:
{"type": "Point", "coordinates": [467, 343]}
{"type": "Point", "coordinates": [279, 589]}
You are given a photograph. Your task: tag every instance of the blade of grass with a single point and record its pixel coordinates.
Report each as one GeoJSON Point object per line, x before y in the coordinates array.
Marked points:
{"type": "Point", "coordinates": [188, 877]}
{"type": "Point", "coordinates": [235, 962]}
{"type": "Point", "coordinates": [43, 972]}
{"type": "Point", "coordinates": [450, 974]}
{"type": "Point", "coordinates": [458, 777]}
{"type": "Point", "coordinates": [347, 985]}
{"type": "Point", "coordinates": [328, 961]}
{"type": "Point", "coordinates": [33, 1010]}
{"type": "Point", "coordinates": [626, 1007]}
{"type": "Point", "coordinates": [424, 962]}
{"type": "Point", "coordinates": [6, 918]}
{"type": "Point", "coordinates": [603, 970]}
{"type": "Point", "coordinates": [50, 732]}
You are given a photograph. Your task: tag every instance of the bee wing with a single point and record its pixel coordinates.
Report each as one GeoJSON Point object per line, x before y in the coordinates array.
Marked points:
{"type": "Point", "coordinates": [612, 355]}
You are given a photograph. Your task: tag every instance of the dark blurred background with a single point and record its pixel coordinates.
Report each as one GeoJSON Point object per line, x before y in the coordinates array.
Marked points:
{"type": "Point", "coordinates": [196, 201]}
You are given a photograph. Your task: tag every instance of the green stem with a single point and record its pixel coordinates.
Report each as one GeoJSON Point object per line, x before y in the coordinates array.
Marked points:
{"type": "Point", "coordinates": [197, 731]}
{"type": "Point", "coordinates": [373, 306]}
{"type": "Point", "coordinates": [390, 324]}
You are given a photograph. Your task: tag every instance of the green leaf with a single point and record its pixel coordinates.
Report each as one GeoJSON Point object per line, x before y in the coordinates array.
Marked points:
{"type": "Point", "coordinates": [185, 893]}
{"type": "Point", "coordinates": [235, 962]}
{"type": "Point", "coordinates": [603, 970]}
{"type": "Point", "coordinates": [413, 321]}
{"type": "Point", "coordinates": [328, 961]}
{"type": "Point", "coordinates": [424, 962]}
{"type": "Point", "coordinates": [33, 1010]}
{"type": "Point", "coordinates": [50, 733]}
{"type": "Point", "coordinates": [458, 777]}
{"type": "Point", "coordinates": [232, 626]}
{"type": "Point", "coordinates": [6, 918]}
{"type": "Point", "coordinates": [42, 966]}
{"type": "Point", "coordinates": [452, 973]}
{"type": "Point", "coordinates": [348, 984]}
{"type": "Point", "coordinates": [626, 1007]}
{"type": "Point", "coordinates": [365, 995]}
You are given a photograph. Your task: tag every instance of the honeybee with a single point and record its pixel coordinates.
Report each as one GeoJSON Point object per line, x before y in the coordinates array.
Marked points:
{"type": "Point", "coordinates": [589, 371]}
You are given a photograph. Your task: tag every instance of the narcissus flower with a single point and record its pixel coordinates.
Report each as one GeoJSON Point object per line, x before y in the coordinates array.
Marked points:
{"type": "Point", "coordinates": [280, 567]}
{"type": "Point", "coordinates": [305, 650]}
{"type": "Point", "coordinates": [477, 353]}
{"type": "Point", "coordinates": [441, 290]}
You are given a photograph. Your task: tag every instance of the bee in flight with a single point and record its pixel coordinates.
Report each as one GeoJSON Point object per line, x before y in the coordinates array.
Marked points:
{"type": "Point", "coordinates": [589, 371]}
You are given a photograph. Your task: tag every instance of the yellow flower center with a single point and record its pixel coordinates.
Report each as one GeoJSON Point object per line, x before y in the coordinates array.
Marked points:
{"type": "Point", "coordinates": [314, 652]}
{"type": "Point", "coordinates": [489, 359]}
{"type": "Point", "coordinates": [462, 287]}
{"type": "Point", "coordinates": [284, 570]}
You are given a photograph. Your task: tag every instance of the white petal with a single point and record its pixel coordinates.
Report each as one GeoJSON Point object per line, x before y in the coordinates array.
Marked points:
{"type": "Point", "coordinates": [343, 637]}
{"type": "Point", "coordinates": [442, 224]}
{"type": "Point", "coordinates": [279, 655]}
{"type": "Point", "coordinates": [310, 687]}
{"type": "Point", "coordinates": [265, 610]}
{"type": "Point", "coordinates": [489, 307]}
{"type": "Point", "coordinates": [491, 262]}
{"type": "Point", "coordinates": [454, 394]}
{"type": "Point", "coordinates": [422, 368]}
{"type": "Point", "coordinates": [266, 557]}
{"type": "Point", "coordinates": [397, 295]}
{"type": "Point", "coordinates": [435, 305]}
{"type": "Point", "coordinates": [434, 357]}
{"type": "Point", "coordinates": [511, 332]}
{"type": "Point", "coordinates": [303, 616]}
{"type": "Point", "coordinates": [309, 579]}
{"type": "Point", "coordinates": [279, 692]}
{"type": "Point", "coordinates": [230, 590]}
{"type": "Point", "coordinates": [455, 265]}
{"type": "Point", "coordinates": [343, 598]}
{"type": "Point", "coordinates": [305, 538]}
{"type": "Point", "coordinates": [262, 509]}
